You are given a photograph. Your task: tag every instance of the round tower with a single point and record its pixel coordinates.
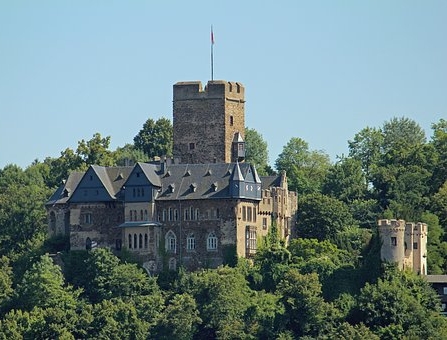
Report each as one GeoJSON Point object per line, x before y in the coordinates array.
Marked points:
{"type": "Point", "coordinates": [392, 236]}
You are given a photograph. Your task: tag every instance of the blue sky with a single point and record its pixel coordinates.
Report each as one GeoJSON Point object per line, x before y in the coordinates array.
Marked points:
{"type": "Point", "coordinates": [318, 70]}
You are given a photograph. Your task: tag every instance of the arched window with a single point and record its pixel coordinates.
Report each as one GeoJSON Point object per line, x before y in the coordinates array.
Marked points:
{"type": "Point", "coordinates": [191, 213]}
{"type": "Point", "coordinates": [140, 243]}
{"type": "Point", "coordinates": [186, 214]}
{"type": "Point", "coordinates": [190, 242]}
{"type": "Point", "coordinates": [172, 263]}
{"type": "Point", "coordinates": [52, 222]}
{"type": "Point", "coordinates": [88, 243]}
{"type": "Point", "coordinates": [164, 215]}
{"type": "Point", "coordinates": [171, 242]}
{"type": "Point", "coordinates": [130, 241]}
{"type": "Point", "coordinates": [145, 215]}
{"type": "Point", "coordinates": [197, 214]}
{"type": "Point", "coordinates": [170, 215]}
{"type": "Point", "coordinates": [211, 241]}
{"type": "Point", "coordinates": [142, 191]}
{"type": "Point", "coordinates": [135, 244]}
{"type": "Point", "coordinates": [175, 215]}
{"type": "Point", "coordinates": [141, 215]}
{"type": "Point", "coordinates": [145, 241]}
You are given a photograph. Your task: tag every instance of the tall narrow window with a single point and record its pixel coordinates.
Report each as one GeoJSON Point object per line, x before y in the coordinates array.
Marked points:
{"type": "Point", "coordinates": [211, 241]}
{"type": "Point", "coordinates": [394, 241]}
{"type": "Point", "coordinates": [140, 243]}
{"type": "Point", "coordinates": [135, 244]}
{"type": "Point", "coordinates": [130, 241]}
{"type": "Point", "coordinates": [171, 242]}
{"type": "Point", "coordinates": [231, 121]}
{"type": "Point", "coordinates": [145, 241]}
{"type": "Point", "coordinates": [190, 242]}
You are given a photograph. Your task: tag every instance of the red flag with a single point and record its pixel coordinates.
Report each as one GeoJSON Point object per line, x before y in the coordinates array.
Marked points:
{"type": "Point", "coordinates": [212, 36]}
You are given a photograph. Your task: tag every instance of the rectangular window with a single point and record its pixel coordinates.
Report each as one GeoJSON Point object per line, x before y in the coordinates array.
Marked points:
{"type": "Point", "coordinates": [249, 216]}
{"type": "Point", "coordinates": [444, 291]}
{"type": "Point", "coordinates": [192, 146]}
{"type": "Point", "coordinates": [88, 218]}
{"type": "Point", "coordinates": [244, 213]}
{"type": "Point", "coordinates": [394, 241]}
{"type": "Point", "coordinates": [264, 223]}
{"type": "Point", "coordinates": [190, 243]}
{"type": "Point", "coordinates": [231, 121]}
{"type": "Point", "coordinates": [250, 240]}
{"type": "Point", "coordinates": [415, 245]}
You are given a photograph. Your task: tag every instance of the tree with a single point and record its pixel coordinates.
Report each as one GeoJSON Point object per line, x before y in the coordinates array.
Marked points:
{"type": "Point", "coordinates": [155, 138]}
{"type": "Point", "coordinates": [323, 258]}
{"type": "Point", "coordinates": [180, 318]}
{"type": "Point", "coordinates": [366, 148]}
{"type": "Point", "coordinates": [256, 151]}
{"type": "Point", "coordinates": [5, 280]}
{"type": "Point", "coordinates": [23, 221]}
{"type": "Point", "coordinates": [305, 169]}
{"type": "Point", "coordinates": [117, 319]}
{"type": "Point", "coordinates": [346, 181]}
{"type": "Point", "coordinates": [322, 217]}
{"type": "Point", "coordinates": [43, 286]}
{"type": "Point", "coordinates": [107, 278]}
{"type": "Point", "coordinates": [401, 304]}
{"type": "Point", "coordinates": [95, 151]}
{"type": "Point", "coordinates": [306, 311]}
{"type": "Point", "coordinates": [129, 155]}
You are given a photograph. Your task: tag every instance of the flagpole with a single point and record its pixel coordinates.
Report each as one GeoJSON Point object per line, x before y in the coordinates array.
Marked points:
{"type": "Point", "coordinates": [212, 53]}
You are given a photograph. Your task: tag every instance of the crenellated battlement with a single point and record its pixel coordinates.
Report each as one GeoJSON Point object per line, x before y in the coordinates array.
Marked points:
{"type": "Point", "coordinates": [404, 243]}
{"type": "Point", "coordinates": [216, 89]}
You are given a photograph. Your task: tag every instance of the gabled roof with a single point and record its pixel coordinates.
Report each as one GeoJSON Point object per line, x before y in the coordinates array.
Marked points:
{"type": "Point", "coordinates": [200, 181]}
{"type": "Point", "coordinates": [63, 193]}
{"type": "Point", "coordinates": [112, 177]}
{"type": "Point", "coordinates": [151, 173]}
{"type": "Point", "coordinates": [270, 181]}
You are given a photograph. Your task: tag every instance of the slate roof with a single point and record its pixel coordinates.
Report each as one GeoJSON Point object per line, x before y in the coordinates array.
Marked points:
{"type": "Point", "coordinates": [68, 187]}
{"type": "Point", "coordinates": [270, 181]}
{"type": "Point", "coordinates": [151, 171]}
{"type": "Point", "coordinates": [112, 177]}
{"type": "Point", "coordinates": [200, 181]}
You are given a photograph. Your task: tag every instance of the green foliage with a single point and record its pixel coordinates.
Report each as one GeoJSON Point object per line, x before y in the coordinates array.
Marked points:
{"type": "Point", "coordinates": [5, 280]}
{"type": "Point", "coordinates": [322, 217]}
{"type": "Point", "coordinates": [155, 138]}
{"type": "Point", "coordinates": [179, 319]}
{"type": "Point", "coordinates": [306, 312]}
{"type": "Point", "coordinates": [129, 155]}
{"type": "Point", "coordinates": [95, 151]}
{"type": "Point", "coordinates": [306, 169]}
{"type": "Point", "coordinates": [117, 319]}
{"type": "Point", "coordinates": [400, 303]}
{"type": "Point", "coordinates": [256, 151]}
{"type": "Point", "coordinates": [23, 221]}
{"type": "Point", "coordinates": [43, 286]}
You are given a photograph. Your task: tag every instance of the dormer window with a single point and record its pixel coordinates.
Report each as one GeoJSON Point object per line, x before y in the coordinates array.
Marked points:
{"type": "Point", "coordinates": [187, 173]}
{"type": "Point", "coordinates": [214, 186]}
{"type": "Point", "coordinates": [193, 187]}
{"type": "Point", "coordinates": [171, 188]}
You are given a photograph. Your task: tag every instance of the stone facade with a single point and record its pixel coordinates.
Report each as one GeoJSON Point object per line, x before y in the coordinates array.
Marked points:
{"type": "Point", "coordinates": [206, 121]}
{"type": "Point", "coordinates": [404, 243]}
{"type": "Point", "coordinates": [203, 208]}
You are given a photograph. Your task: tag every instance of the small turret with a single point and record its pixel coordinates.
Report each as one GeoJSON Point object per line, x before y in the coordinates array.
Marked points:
{"type": "Point", "coordinates": [238, 154]}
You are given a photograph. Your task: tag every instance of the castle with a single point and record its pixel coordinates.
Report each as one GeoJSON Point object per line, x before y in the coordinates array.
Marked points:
{"type": "Point", "coordinates": [404, 243]}
{"type": "Point", "coordinates": [202, 208]}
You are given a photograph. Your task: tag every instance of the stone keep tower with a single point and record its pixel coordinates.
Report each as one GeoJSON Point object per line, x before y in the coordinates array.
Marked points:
{"type": "Point", "coordinates": [404, 244]}
{"type": "Point", "coordinates": [208, 124]}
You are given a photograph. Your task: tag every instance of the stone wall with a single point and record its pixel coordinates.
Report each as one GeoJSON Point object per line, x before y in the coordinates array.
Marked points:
{"type": "Point", "coordinates": [205, 121]}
